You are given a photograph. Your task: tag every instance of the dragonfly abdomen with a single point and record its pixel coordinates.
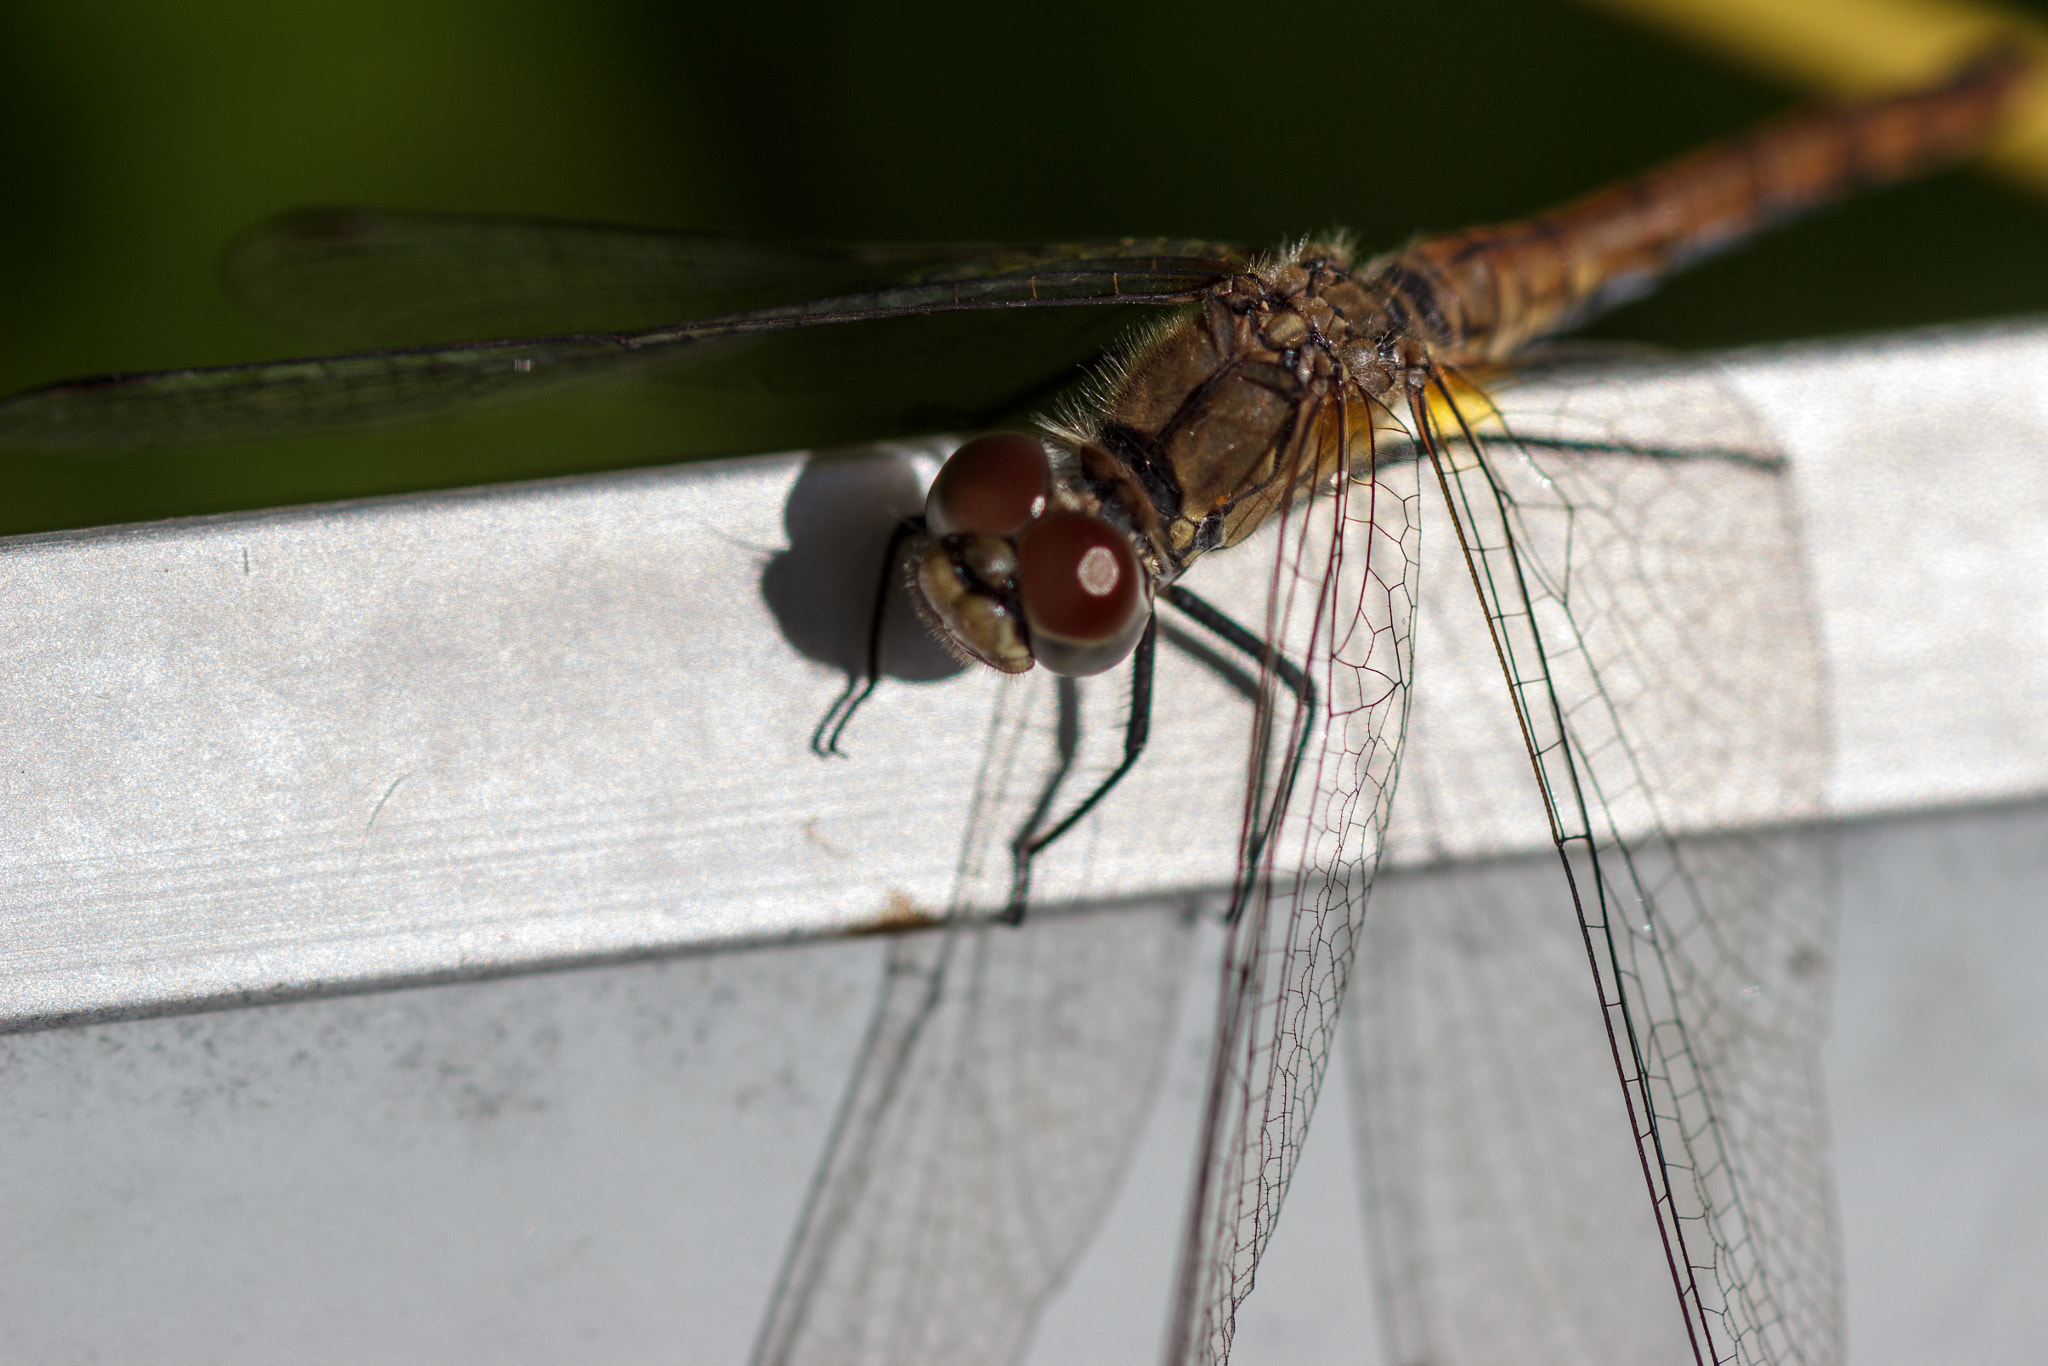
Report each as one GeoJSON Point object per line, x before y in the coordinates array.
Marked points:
{"type": "Point", "coordinates": [1492, 290]}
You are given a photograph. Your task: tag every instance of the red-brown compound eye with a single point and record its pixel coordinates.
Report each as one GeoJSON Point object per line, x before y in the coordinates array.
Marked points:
{"type": "Point", "coordinates": [1082, 592]}
{"type": "Point", "coordinates": [992, 486]}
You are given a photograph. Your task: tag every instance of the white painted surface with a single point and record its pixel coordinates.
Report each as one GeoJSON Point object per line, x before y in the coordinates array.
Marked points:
{"type": "Point", "coordinates": [606, 1165]}
{"type": "Point", "coordinates": [483, 732]}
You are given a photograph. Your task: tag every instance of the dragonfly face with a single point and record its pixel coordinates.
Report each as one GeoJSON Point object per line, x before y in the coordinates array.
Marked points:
{"type": "Point", "coordinates": [1011, 572]}
{"type": "Point", "coordinates": [1212, 425]}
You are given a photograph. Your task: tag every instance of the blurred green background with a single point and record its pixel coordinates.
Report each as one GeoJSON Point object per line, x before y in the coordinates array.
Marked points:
{"type": "Point", "coordinates": [136, 138]}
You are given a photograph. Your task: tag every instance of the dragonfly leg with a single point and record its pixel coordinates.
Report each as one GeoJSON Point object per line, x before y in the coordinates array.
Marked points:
{"type": "Point", "coordinates": [1137, 730]}
{"type": "Point", "coordinates": [1266, 816]}
{"type": "Point", "coordinates": [859, 687]}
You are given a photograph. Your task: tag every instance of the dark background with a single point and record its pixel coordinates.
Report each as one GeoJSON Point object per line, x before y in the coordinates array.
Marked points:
{"type": "Point", "coordinates": [135, 139]}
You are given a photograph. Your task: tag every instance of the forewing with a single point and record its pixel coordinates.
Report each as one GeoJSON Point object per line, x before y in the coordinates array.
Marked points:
{"type": "Point", "coordinates": [1013, 353]}
{"type": "Point", "coordinates": [361, 277]}
{"type": "Point", "coordinates": [1340, 601]}
{"type": "Point", "coordinates": [1004, 1080]}
{"type": "Point", "coordinates": [1638, 561]}
{"type": "Point", "coordinates": [168, 408]}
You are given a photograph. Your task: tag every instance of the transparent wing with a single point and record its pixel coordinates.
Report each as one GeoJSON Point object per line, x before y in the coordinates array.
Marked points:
{"type": "Point", "coordinates": [1341, 599]}
{"type": "Point", "coordinates": [1014, 362]}
{"type": "Point", "coordinates": [1638, 559]}
{"type": "Point", "coordinates": [361, 277]}
{"type": "Point", "coordinates": [1004, 1081]}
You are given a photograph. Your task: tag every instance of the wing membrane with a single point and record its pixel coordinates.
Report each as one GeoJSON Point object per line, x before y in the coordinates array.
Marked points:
{"type": "Point", "coordinates": [1004, 1080]}
{"type": "Point", "coordinates": [1006, 1076]}
{"type": "Point", "coordinates": [294, 397]}
{"type": "Point", "coordinates": [1342, 600]}
{"type": "Point", "coordinates": [362, 278]}
{"type": "Point", "coordinates": [328, 393]}
{"type": "Point", "coordinates": [1642, 583]}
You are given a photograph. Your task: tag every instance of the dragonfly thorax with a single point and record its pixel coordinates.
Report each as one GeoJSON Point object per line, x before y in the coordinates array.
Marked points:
{"type": "Point", "coordinates": [1263, 393]}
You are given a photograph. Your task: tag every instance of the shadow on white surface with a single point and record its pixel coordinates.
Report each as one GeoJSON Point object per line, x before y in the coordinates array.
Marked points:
{"type": "Point", "coordinates": [607, 1164]}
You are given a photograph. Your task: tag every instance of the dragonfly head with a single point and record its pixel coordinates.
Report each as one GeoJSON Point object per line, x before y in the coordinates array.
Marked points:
{"type": "Point", "coordinates": [1009, 578]}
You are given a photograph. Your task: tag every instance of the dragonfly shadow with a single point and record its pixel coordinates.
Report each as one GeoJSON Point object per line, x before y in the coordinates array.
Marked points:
{"type": "Point", "coordinates": [839, 518]}
{"type": "Point", "coordinates": [1230, 671]}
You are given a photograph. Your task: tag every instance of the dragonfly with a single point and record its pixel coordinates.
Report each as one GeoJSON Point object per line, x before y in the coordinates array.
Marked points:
{"type": "Point", "coordinates": [1308, 405]}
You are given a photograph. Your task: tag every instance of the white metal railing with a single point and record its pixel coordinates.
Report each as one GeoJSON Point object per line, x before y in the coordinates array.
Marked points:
{"type": "Point", "coordinates": [401, 740]}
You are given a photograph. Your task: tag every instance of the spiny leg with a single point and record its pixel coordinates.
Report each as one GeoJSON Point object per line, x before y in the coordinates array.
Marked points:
{"type": "Point", "coordinates": [1136, 731]}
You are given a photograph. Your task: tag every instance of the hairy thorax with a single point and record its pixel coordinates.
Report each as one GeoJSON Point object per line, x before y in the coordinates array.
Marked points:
{"type": "Point", "coordinates": [1279, 381]}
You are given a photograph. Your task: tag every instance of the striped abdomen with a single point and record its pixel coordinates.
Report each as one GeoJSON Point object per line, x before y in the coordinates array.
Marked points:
{"type": "Point", "coordinates": [1481, 294]}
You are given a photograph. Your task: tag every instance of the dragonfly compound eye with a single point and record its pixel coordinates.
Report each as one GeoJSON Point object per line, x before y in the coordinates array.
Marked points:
{"type": "Point", "coordinates": [992, 486]}
{"type": "Point", "coordinates": [1082, 592]}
